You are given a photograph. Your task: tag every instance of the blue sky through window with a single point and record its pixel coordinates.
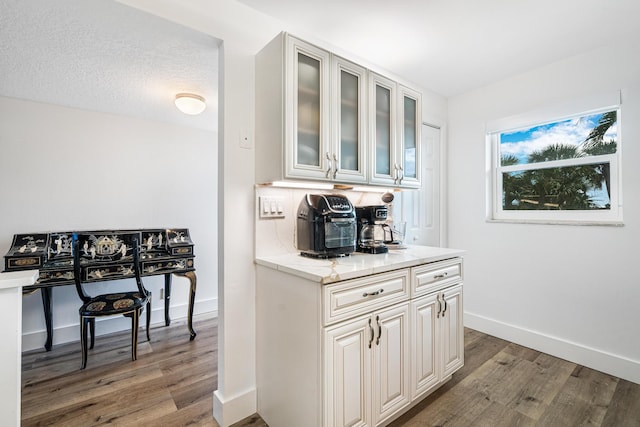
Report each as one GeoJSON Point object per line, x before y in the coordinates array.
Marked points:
{"type": "Point", "coordinates": [574, 131]}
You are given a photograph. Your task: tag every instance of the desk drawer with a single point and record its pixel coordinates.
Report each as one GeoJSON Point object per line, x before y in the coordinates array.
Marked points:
{"type": "Point", "coordinates": [96, 273]}
{"type": "Point", "coordinates": [153, 267]}
{"type": "Point", "coordinates": [359, 296]}
{"type": "Point", "coordinates": [429, 277]}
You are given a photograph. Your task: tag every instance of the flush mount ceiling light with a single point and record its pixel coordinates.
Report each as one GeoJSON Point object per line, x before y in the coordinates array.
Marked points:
{"type": "Point", "coordinates": [190, 103]}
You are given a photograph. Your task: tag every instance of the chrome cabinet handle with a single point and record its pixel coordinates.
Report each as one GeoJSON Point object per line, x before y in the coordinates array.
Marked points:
{"type": "Point", "coordinates": [445, 306]}
{"type": "Point", "coordinates": [371, 294]}
{"type": "Point", "coordinates": [401, 174]}
{"type": "Point", "coordinates": [395, 173]}
{"type": "Point", "coordinates": [335, 165]}
{"type": "Point", "coordinates": [326, 175]}
{"type": "Point", "coordinates": [440, 276]}
{"type": "Point", "coordinates": [439, 306]}
{"type": "Point", "coordinates": [372, 333]}
{"type": "Point", "coordinates": [379, 330]}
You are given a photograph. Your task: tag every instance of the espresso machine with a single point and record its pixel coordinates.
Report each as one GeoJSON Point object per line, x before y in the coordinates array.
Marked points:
{"type": "Point", "coordinates": [372, 229]}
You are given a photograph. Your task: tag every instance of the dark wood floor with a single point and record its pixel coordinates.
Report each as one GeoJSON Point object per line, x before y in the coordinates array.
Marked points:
{"type": "Point", "coordinates": [171, 384]}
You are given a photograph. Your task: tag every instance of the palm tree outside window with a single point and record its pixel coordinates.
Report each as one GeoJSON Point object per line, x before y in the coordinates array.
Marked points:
{"type": "Point", "coordinates": [564, 170]}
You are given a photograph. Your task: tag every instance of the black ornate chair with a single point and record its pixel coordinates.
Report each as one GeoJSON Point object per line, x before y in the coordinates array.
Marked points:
{"type": "Point", "coordinates": [102, 256]}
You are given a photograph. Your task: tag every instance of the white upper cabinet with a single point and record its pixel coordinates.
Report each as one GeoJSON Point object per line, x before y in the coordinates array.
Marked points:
{"type": "Point", "coordinates": [349, 121]}
{"type": "Point", "coordinates": [307, 118]}
{"type": "Point", "coordinates": [322, 117]}
{"type": "Point", "coordinates": [395, 126]}
{"type": "Point", "coordinates": [409, 130]}
{"type": "Point", "coordinates": [382, 122]}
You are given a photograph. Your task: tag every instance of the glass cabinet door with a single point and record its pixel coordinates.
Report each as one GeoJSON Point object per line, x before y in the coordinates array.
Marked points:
{"type": "Point", "coordinates": [409, 139]}
{"type": "Point", "coordinates": [308, 131]}
{"type": "Point", "coordinates": [306, 113]}
{"type": "Point", "coordinates": [409, 142]}
{"type": "Point", "coordinates": [349, 111]}
{"type": "Point", "coordinates": [383, 130]}
{"type": "Point", "coordinates": [349, 154]}
{"type": "Point", "coordinates": [382, 93]}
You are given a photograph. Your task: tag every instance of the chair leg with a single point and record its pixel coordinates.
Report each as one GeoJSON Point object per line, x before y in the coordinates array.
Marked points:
{"type": "Point", "coordinates": [135, 319]}
{"type": "Point", "coordinates": [148, 318]}
{"type": "Point", "coordinates": [92, 331]}
{"type": "Point", "coordinates": [83, 340]}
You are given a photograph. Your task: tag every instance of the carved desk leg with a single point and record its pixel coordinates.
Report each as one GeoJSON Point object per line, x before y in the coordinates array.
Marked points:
{"type": "Point", "coordinates": [167, 298]}
{"type": "Point", "coordinates": [46, 303]}
{"type": "Point", "coordinates": [191, 275]}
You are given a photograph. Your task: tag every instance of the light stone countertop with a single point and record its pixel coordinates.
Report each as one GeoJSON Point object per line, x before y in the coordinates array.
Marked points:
{"type": "Point", "coordinates": [356, 265]}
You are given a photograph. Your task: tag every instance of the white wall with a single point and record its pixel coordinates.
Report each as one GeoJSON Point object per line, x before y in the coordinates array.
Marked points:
{"type": "Point", "coordinates": [243, 31]}
{"type": "Point", "coordinates": [68, 169]}
{"type": "Point", "coordinates": [571, 291]}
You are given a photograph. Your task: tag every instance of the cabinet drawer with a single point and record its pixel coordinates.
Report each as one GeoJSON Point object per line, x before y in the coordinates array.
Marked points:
{"type": "Point", "coordinates": [359, 296]}
{"type": "Point", "coordinates": [429, 277]}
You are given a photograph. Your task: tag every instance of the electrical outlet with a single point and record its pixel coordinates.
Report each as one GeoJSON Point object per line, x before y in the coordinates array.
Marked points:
{"type": "Point", "coordinates": [271, 207]}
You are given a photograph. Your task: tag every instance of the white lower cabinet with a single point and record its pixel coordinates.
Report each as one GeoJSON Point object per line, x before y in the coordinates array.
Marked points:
{"type": "Point", "coordinates": [438, 339]}
{"type": "Point", "coordinates": [424, 358]}
{"type": "Point", "coordinates": [453, 331]}
{"type": "Point", "coordinates": [367, 368]}
{"type": "Point", "coordinates": [356, 352]}
{"type": "Point", "coordinates": [348, 374]}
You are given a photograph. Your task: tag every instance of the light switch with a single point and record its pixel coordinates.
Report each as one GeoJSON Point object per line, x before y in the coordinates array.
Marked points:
{"type": "Point", "coordinates": [271, 207]}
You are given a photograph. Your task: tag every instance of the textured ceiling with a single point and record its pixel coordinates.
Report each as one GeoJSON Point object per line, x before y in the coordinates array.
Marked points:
{"type": "Point", "coordinates": [103, 56]}
{"type": "Point", "coordinates": [453, 46]}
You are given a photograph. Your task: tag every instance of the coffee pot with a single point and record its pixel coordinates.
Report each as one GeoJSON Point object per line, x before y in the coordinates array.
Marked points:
{"type": "Point", "coordinates": [373, 232]}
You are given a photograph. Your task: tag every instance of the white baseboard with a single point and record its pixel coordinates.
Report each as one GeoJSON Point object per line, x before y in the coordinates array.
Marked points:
{"type": "Point", "coordinates": [71, 333]}
{"type": "Point", "coordinates": [603, 361]}
{"type": "Point", "coordinates": [229, 410]}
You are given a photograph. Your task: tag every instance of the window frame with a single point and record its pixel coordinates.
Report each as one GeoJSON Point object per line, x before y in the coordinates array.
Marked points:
{"type": "Point", "coordinates": [495, 211]}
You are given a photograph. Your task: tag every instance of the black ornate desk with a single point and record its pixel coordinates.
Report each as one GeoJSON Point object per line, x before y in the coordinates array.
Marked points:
{"type": "Point", "coordinates": [162, 251]}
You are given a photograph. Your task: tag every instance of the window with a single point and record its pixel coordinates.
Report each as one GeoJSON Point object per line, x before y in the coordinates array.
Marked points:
{"type": "Point", "coordinates": [566, 170]}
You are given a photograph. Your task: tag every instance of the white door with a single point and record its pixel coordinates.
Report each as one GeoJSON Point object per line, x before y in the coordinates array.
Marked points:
{"type": "Point", "coordinates": [348, 373]}
{"type": "Point", "coordinates": [391, 362]}
{"type": "Point", "coordinates": [452, 331]}
{"type": "Point", "coordinates": [426, 336]}
{"type": "Point", "coordinates": [349, 108]}
{"type": "Point", "coordinates": [382, 130]}
{"type": "Point", "coordinates": [307, 110]}
{"type": "Point", "coordinates": [421, 208]}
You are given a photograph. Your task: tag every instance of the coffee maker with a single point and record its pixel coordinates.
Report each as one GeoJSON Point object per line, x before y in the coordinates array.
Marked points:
{"type": "Point", "coordinates": [372, 229]}
{"type": "Point", "coordinates": [326, 226]}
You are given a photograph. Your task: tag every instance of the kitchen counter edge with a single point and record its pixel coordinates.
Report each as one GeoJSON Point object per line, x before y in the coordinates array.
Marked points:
{"type": "Point", "coordinates": [326, 271]}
